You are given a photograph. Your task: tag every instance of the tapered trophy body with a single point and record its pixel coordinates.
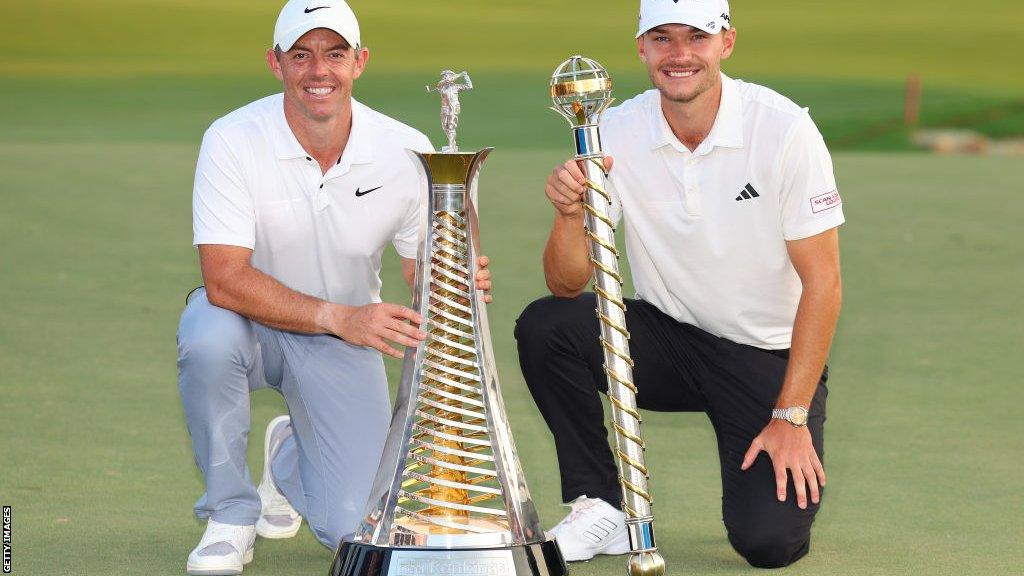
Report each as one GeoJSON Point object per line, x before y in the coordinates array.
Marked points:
{"type": "Point", "coordinates": [449, 497]}
{"type": "Point", "coordinates": [581, 91]}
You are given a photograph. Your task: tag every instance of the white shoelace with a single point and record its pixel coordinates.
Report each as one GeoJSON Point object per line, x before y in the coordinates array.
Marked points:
{"type": "Point", "coordinates": [579, 508]}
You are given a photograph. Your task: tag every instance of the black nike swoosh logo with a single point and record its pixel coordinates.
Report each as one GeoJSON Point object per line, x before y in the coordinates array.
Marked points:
{"type": "Point", "coordinates": [365, 192]}
{"type": "Point", "coordinates": [308, 10]}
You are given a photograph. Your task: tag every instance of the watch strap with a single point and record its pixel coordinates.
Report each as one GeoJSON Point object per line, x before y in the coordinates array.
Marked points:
{"type": "Point", "coordinates": [787, 414]}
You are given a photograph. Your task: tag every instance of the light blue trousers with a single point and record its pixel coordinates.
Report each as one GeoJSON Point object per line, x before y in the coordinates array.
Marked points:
{"type": "Point", "coordinates": [337, 396]}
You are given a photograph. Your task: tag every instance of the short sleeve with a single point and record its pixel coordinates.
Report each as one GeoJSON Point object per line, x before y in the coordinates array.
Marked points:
{"type": "Point", "coordinates": [222, 207]}
{"type": "Point", "coordinates": [810, 199]}
{"type": "Point", "coordinates": [407, 240]}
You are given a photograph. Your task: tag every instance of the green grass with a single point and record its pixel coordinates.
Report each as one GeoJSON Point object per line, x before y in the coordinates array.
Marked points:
{"type": "Point", "coordinates": [104, 103]}
{"type": "Point", "coordinates": [947, 42]}
{"type": "Point", "coordinates": [163, 69]}
{"type": "Point", "coordinates": [924, 413]}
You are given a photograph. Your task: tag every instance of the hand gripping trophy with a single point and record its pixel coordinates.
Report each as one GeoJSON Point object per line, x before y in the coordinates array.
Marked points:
{"type": "Point", "coordinates": [581, 91]}
{"type": "Point", "coordinates": [449, 498]}
{"type": "Point", "coordinates": [449, 89]}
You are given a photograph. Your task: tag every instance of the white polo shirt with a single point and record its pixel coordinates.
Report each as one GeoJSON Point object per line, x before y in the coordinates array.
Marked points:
{"type": "Point", "coordinates": [319, 234]}
{"type": "Point", "coordinates": [706, 230]}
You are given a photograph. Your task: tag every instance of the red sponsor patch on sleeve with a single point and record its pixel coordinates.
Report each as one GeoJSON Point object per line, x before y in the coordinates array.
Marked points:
{"type": "Point", "coordinates": [826, 201]}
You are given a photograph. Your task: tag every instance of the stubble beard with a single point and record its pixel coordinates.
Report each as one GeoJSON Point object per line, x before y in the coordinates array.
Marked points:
{"type": "Point", "coordinates": [706, 84]}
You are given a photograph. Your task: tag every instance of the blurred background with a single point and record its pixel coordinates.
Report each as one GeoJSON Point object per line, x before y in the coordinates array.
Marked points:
{"type": "Point", "coordinates": [102, 107]}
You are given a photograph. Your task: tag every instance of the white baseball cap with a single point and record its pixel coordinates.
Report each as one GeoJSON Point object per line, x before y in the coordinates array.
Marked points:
{"type": "Point", "coordinates": [710, 16]}
{"type": "Point", "coordinates": [300, 16]}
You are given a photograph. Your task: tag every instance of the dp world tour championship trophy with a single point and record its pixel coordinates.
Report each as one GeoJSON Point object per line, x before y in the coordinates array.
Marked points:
{"type": "Point", "coordinates": [449, 498]}
{"type": "Point", "coordinates": [581, 91]}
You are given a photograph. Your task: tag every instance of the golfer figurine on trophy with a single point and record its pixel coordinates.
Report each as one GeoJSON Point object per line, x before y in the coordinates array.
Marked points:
{"type": "Point", "coordinates": [449, 89]}
{"type": "Point", "coordinates": [449, 497]}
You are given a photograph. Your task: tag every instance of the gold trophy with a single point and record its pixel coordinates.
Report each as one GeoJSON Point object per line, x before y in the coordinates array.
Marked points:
{"type": "Point", "coordinates": [449, 498]}
{"type": "Point", "coordinates": [581, 91]}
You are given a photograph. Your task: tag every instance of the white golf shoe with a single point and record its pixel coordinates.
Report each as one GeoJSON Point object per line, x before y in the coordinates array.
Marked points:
{"type": "Point", "coordinates": [593, 527]}
{"type": "Point", "coordinates": [277, 517]}
{"type": "Point", "coordinates": [223, 550]}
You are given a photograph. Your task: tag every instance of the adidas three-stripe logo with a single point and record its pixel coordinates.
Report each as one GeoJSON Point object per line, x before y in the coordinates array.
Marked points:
{"type": "Point", "coordinates": [748, 193]}
{"type": "Point", "coordinates": [599, 530]}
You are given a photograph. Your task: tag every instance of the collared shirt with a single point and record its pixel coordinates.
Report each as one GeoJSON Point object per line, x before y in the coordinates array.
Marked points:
{"type": "Point", "coordinates": [706, 230]}
{"type": "Point", "coordinates": [319, 234]}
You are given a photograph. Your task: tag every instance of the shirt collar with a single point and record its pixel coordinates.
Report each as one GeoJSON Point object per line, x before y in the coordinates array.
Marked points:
{"type": "Point", "coordinates": [727, 131]}
{"type": "Point", "coordinates": [357, 150]}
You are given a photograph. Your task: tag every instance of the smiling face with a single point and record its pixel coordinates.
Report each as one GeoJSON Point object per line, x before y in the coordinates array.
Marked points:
{"type": "Point", "coordinates": [318, 73]}
{"type": "Point", "coordinates": [684, 62]}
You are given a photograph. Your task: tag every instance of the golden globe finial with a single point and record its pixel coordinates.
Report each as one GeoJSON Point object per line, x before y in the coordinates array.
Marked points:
{"type": "Point", "coordinates": [581, 90]}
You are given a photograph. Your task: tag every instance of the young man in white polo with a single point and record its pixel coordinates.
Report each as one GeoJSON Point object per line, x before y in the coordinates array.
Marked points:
{"type": "Point", "coordinates": [296, 197]}
{"type": "Point", "coordinates": [730, 207]}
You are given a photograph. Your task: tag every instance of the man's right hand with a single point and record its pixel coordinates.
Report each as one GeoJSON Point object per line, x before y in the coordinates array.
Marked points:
{"type": "Point", "coordinates": [566, 187]}
{"type": "Point", "coordinates": [374, 325]}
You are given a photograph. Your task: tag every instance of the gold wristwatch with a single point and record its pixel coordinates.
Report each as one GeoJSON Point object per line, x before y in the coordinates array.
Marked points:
{"type": "Point", "coordinates": [795, 415]}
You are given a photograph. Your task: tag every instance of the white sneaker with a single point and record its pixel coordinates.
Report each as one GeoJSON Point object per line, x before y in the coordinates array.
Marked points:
{"type": "Point", "coordinates": [224, 549]}
{"type": "Point", "coordinates": [593, 527]}
{"type": "Point", "coordinates": [277, 517]}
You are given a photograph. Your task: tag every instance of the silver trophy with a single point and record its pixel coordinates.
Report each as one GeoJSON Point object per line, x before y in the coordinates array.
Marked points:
{"type": "Point", "coordinates": [449, 88]}
{"type": "Point", "coordinates": [449, 497]}
{"type": "Point", "coordinates": [581, 91]}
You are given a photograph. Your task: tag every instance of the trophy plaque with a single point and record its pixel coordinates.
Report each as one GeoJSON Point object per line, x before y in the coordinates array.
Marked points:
{"type": "Point", "coordinates": [449, 498]}
{"type": "Point", "coordinates": [581, 91]}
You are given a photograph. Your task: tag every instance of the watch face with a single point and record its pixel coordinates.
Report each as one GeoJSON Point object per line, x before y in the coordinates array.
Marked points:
{"type": "Point", "coordinates": [798, 416]}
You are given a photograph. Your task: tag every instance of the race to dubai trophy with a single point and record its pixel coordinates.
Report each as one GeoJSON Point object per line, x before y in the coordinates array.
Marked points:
{"type": "Point", "coordinates": [449, 498]}
{"type": "Point", "coordinates": [581, 91]}
{"type": "Point", "coordinates": [449, 89]}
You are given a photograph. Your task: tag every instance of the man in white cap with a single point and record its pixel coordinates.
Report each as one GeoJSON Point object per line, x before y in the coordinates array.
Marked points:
{"type": "Point", "coordinates": [296, 197]}
{"type": "Point", "coordinates": [731, 212]}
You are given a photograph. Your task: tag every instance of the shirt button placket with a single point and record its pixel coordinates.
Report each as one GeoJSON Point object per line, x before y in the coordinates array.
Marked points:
{"type": "Point", "coordinates": [320, 199]}
{"type": "Point", "coordinates": [691, 186]}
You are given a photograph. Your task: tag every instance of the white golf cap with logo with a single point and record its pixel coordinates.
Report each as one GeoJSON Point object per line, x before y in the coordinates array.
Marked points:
{"type": "Point", "coordinates": [300, 16]}
{"type": "Point", "coordinates": [711, 16]}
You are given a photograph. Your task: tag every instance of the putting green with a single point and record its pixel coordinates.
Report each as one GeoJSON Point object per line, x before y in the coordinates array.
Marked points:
{"type": "Point", "coordinates": [105, 103]}
{"type": "Point", "coordinates": [922, 410]}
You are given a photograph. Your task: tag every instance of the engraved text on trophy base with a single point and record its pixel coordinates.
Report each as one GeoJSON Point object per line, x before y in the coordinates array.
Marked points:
{"type": "Point", "coordinates": [452, 563]}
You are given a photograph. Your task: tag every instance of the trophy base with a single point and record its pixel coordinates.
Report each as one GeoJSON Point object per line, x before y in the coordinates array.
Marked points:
{"type": "Point", "coordinates": [538, 559]}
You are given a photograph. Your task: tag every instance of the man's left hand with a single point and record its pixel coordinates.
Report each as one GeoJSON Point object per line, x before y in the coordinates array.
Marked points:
{"type": "Point", "coordinates": [483, 278]}
{"type": "Point", "coordinates": [791, 452]}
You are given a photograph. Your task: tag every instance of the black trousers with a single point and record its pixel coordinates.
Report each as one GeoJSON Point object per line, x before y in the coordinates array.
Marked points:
{"type": "Point", "coordinates": [679, 368]}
